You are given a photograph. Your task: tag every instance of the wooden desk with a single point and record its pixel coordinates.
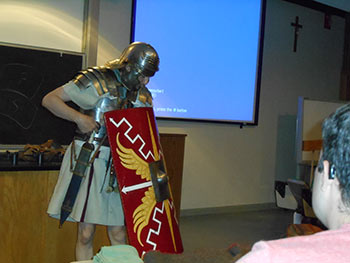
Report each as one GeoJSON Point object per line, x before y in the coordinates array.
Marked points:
{"type": "Point", "coordinates": [29, 235]}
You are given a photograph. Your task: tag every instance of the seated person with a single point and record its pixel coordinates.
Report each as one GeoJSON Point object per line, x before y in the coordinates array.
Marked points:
{"type": "Point", "coordinates": [330, 201]}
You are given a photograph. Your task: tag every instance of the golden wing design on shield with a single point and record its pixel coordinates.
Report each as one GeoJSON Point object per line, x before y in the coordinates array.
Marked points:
{"type": "Point", "coordinates": [130, 160]}
{"type": "Point", "coordinates": [143, 212]}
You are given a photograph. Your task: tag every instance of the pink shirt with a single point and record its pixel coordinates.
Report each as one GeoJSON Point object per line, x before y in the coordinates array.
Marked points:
{"type": "Point", "coordinates": [330, 246]}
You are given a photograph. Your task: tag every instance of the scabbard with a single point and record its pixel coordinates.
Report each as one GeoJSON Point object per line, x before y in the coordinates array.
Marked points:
{"type": "Point", "coordinates": [78, 173]}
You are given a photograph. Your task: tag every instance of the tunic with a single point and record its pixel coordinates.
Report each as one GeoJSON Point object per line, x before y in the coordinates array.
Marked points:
{"type": "Point", "coordinates": [93, 204]}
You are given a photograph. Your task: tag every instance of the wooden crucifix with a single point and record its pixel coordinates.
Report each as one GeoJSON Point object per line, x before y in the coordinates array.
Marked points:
{"type": "Point", "coordinates": [296, 26]}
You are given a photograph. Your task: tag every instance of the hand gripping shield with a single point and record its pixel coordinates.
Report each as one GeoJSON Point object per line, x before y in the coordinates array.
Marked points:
{"type": "Point", "coordinates": [143, 184]}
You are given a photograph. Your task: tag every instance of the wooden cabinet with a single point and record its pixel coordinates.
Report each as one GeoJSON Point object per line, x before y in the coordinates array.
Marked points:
{"type": "Point", "coordinates": [173, 147]}
{"type": "Point", "coordinates": [29, 235]}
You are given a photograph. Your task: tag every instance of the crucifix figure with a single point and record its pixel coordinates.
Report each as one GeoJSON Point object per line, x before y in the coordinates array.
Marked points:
{"type": "Point", "coordinates": [296, 26]}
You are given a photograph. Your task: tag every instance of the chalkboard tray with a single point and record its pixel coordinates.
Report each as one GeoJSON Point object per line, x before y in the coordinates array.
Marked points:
{"type": "Point", "coordinates": [29, 166]}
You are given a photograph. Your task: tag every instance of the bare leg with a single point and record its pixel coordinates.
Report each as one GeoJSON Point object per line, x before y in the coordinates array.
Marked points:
{"type": "Point", "coordinates": [116, 235]}
{"type": "Point", "coordinates": [84, 246]}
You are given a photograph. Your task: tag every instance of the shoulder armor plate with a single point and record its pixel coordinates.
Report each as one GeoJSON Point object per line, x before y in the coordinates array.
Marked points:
{"type": "Point", "coordinates": [101, 78]}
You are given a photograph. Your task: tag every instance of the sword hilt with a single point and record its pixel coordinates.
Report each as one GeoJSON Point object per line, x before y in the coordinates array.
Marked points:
{"type": "Point", "coordinates": [91, 138]}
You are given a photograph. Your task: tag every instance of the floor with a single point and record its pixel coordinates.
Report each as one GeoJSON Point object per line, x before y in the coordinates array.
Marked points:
{"type": "Point", "coordinates": [222, 230]}
{"type": "Point", "coordinates": [206, 238]}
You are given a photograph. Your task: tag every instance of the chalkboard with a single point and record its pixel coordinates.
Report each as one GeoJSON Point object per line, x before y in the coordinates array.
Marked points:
{"type": "Point", "coordinates": [26, 76]}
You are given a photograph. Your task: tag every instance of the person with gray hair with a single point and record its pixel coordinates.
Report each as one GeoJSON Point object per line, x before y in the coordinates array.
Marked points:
{"type": "Point", "coordinates": [330, 202]}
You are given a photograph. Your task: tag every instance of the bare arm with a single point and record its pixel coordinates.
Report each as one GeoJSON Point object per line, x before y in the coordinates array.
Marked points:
{"type": "Point", "coordinates": [55, 101]}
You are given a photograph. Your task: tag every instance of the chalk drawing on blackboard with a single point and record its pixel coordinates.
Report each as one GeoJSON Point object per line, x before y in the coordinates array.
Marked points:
{"type": "Point", "coordinates": [26, 76]}
{"type": "Point", "coordinates": [18, 108]}
{"type": "Point", "coordinates": [18, 81]}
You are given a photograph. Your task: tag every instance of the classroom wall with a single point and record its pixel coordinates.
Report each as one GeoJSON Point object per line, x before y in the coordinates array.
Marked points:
{"type": "Point", "coordinates": [43, 23]}
{"type": "Point", "coordinates": [341, 4]}
{"type": "Point", "coordinates": [228, 166]}
{"type": "Point", "coordinates": [114, 29]}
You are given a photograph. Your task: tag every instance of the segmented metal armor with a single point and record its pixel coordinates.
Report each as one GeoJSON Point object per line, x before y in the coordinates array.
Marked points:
{"type": "Point", "coordinates": [117, 87]}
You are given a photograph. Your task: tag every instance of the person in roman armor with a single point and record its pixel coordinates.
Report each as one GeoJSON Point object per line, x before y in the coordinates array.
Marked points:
{"type": "Point", "coordinates": [119, 84]}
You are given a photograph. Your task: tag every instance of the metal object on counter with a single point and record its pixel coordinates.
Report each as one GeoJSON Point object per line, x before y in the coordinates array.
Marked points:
{"type": "Point", "coordinates": [40, 158]}
{"type": "Point", "coordinates": [14, 158]}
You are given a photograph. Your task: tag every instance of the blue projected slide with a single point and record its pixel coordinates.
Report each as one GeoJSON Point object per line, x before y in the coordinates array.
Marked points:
{"type": "Point", "coordinates": [209, 57]}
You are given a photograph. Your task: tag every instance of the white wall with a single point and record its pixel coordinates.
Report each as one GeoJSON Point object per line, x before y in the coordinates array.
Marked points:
{"type": "Point", "coordinates": [114, 29]}
{"type": "Point", "coordinates": [225, 165]}
{"type": "Point", "coordinates": [43, 23]}
{"type": "Point", "coordinates": [341, 4]}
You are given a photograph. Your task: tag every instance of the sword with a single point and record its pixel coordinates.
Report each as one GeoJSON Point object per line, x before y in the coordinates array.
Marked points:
{"type": "Point", "coordinates": [78, 173]}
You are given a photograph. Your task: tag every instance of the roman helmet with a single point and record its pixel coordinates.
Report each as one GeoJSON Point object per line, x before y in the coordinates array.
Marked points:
{"type": "Point", "coordinates": [140, 56]}
{"type": "Point", "coordinates": [142, 60]}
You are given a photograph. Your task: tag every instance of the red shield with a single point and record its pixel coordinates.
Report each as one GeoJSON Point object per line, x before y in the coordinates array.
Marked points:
{"type": "Point", "coordinates": [134, 141]}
